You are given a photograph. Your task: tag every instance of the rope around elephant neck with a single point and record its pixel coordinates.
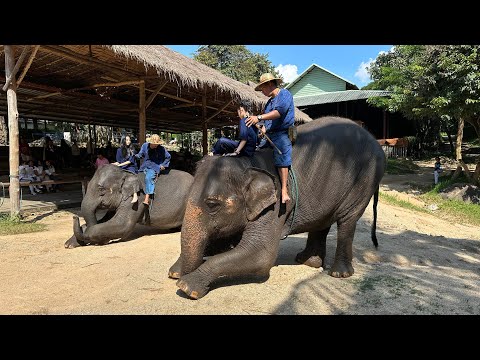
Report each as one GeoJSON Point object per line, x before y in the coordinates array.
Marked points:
{"type": "Point", "coordinates": [293, 180]}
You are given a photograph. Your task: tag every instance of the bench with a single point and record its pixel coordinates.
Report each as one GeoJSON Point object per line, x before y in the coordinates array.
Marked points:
{"type": "Point", "coordinates": [83, 181]}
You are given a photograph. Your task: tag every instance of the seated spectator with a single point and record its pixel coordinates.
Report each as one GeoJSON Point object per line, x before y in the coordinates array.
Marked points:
{"type": "Point", "coordinates": [26, 173]}
{"type": "Point", "coordinates": [101, 161]}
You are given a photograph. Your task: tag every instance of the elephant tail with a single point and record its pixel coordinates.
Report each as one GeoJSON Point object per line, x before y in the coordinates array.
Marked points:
{"type": "Point", "coordinates": [374, 223]}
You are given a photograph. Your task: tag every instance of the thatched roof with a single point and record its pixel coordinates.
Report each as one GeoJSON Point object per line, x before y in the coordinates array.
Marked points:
{"type": "Point", "coordinates": [62, 84]}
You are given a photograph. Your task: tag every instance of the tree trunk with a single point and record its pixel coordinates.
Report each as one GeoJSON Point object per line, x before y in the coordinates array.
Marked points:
{"type": "Point", "coordinates": [458, 145]}
{"type": "Point", "coordinates": [14, 158]}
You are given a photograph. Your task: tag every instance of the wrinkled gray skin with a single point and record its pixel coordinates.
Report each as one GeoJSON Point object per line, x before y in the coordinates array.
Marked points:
{"type": "Point", "coordinates": [112, 189]}
{"type": "Point", "coordinates": [338, 167]}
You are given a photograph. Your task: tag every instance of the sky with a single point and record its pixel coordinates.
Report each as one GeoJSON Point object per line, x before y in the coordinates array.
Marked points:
{"type": "Point", "coordinates": [346, 61]}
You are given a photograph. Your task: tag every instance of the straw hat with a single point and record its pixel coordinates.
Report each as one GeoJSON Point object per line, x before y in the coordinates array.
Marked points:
{"type": "Point", "coordinates": [266, 78]}
{"type": "Point", "coordinates": [155, 139]}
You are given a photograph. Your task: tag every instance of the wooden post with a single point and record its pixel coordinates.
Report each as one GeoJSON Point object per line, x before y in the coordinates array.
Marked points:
{"type": "Point", "coordinates": [204, 122]}
{"type": "Point", "coordinates": [142, 115]}
{"type": "Point", "coordinates": [13, 131]}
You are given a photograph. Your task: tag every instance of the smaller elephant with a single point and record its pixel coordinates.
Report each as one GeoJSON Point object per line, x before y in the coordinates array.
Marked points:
{"type": "Point", "coordinates": [112, 189]}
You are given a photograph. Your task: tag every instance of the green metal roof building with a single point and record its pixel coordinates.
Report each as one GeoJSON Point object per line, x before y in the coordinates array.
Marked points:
{"type": "Point", "coordinates": [320, 92]}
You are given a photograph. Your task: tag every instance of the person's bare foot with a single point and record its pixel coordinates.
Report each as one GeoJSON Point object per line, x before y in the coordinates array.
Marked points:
{"type": "Point", "coordinates": [285, 198]}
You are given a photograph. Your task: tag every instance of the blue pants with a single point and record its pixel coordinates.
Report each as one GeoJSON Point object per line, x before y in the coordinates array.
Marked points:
{"type": "Point", "coordinates": [225, 146]}
{"type": "Point", "coordinates": [150, 175]}
{"type": "Point", "coordinates": [282, 141]}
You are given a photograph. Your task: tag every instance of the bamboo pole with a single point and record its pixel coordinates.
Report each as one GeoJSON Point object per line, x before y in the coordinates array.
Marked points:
{"type": "Point", "coordinates": [29, 63]}
{"type": "Point", "coordinates": [12, 130]}
{"type": "Point", "coordinates": [142, 114]}
{"type": "Point", "coordinates": [204, 122]}
{"type": "Point", "coordinates": [14, 71]}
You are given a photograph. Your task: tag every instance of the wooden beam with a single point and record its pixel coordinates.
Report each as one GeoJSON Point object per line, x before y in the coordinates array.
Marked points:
{"type": "Point", "coordinates": [12, 130]}
{"type": "Point", "coordinates": [219, 111]}
{"type": "Point", "coordinates": [204, 122]}
{"type": "Point", "coordinates": [184, 106]}
{"type": "Point", "coordinates": [11, 75]}
{"type": "Point", "coordinates": [117, 84]}
{"type": "Point", "coordinates": [155, 93]}
{"type": "Point", "coordinates": [142, 114]}
{"type": "Point", "coordinates": [29, 63]}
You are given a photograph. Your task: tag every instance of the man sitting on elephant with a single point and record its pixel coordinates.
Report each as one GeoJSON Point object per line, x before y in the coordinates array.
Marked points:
{"type": "Point", "coordinates": [157, 159]}
{"type": "Point", "coordinates": [248, 136]}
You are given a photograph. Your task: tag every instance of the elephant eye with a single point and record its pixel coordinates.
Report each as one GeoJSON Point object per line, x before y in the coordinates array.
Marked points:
{"type": "Point", "coordinates": [213, 205]}
{"type": "Point", "coordinates": [101, 189]}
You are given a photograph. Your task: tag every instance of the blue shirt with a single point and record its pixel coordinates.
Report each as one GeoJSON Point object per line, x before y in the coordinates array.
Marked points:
{"type": "Point", "coordinates": [250, 134]}
{"type": "Point", "coordinates": [157, 157]}
{"type": "Point", "coordinates": [283, 103]}
{"type": "Point", "coordinates": [132, 167]}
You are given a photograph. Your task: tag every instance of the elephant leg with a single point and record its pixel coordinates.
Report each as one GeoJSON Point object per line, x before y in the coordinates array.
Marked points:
{"type": "Point", "coordinates": [314, 253]}
{"type": "Point", "coordinates": [244, 259]}
{"type": "Point", "coordinates": [342, 265]}
{"type": "Point", "coordinates": [175, 269]}
{"type": "Point", "coordinates": [102, 233]}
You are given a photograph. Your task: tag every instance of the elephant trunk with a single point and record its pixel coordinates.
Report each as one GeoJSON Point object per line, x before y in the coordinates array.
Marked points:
{"type": "Point", "coordinates": [194, 239]}
{"type": "Point", "coordinates": [77, 230]}
{"type": "Point", "coordinates": [89, 208]}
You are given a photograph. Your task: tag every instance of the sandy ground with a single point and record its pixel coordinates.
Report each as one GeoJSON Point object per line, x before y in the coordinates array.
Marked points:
{"type": "Point", "coordinates": [423, 265]}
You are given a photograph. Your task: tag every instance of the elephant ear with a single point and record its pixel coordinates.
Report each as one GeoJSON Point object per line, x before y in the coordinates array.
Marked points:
{"type": "Point", "coordinates": [129, 186]}
{"type": "Point", "coordinates": [260, 191]}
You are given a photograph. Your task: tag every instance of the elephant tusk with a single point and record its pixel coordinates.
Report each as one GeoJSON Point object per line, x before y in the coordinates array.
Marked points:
{"type": "Point", "coordinates": [111, 191]}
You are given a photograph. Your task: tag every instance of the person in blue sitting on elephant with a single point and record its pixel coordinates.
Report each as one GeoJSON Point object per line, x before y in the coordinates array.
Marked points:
{"type": "Point", "coordinates": [248, 136]}
{"type": "Point", "coordinates": [280, 111]}
{"type": "Point", "coordinates": [157, 160]}
{"type": "Point", "coordinates": [126, 159]}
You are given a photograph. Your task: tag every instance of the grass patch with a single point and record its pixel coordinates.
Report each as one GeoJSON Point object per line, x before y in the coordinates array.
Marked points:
{"type": "Point", "coordinates": [453, 210]}
{"type": "Point", "coordinates": [14, 225]}
{"type": "Point", "coordinates": [393, 200]}
{"type": "Point", "coordinates": [401, 166]}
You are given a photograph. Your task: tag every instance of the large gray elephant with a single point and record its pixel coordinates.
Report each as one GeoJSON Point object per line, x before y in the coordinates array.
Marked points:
{"type": "Point", "coordinates": [337, 166]}
{"type": "Point", "coordinates": [112, 188]}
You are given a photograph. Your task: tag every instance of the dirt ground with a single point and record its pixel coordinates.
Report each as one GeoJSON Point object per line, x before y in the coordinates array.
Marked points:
{"type": "Point", "coordinates": [424, 265]}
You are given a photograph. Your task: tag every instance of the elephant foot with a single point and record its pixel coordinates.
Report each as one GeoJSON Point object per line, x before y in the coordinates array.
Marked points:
{"type": "Point", "coordinates": [191, 286]}
{"type": "Point", "coordinates": [341, 270]}
{"type": "Point", "coordinates": [73, 243]}
{"type": "Point", "coordinates": [304, 258]}
{"type": "Point", "coordinates": [175, 270]}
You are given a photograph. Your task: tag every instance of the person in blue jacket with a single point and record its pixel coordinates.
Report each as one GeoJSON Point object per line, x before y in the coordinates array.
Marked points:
{"type": "Point", "coordinates": [279, 115]}
{"type": "Point", "coordinates": [248, 136]}
{"type": "Point", "coordinates": [157, 160]}
{"type": "Point", "coordinates": [126, 159]}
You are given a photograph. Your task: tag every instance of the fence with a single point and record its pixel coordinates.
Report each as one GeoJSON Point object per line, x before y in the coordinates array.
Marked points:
{"type": "Point", "coordinates": [394, 148]}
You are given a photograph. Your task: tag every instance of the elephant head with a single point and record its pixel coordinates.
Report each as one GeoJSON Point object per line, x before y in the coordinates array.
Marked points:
{"type": "Point", "coordinates": [226, 195]}
{"type": "Point", "coordinates": [109, 189]}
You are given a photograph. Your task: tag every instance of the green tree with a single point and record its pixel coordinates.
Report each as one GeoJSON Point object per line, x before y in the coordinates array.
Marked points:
{"type": "Point", "coordinates": [235, 61]}
{"type": "Point", "coordinates": [440, 82]}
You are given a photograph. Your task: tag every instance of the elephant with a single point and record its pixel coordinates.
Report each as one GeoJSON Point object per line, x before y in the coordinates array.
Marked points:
{"type": "Point", "coordinates": [337, 168]}
{"type": "Point", "coordinates": [112, 189]}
